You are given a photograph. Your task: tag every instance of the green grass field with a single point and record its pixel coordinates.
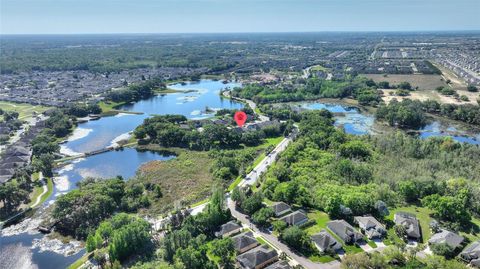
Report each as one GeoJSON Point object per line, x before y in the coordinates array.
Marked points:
{"type": "Point", "coordinates": [109, 107]}
{"type": "Point", "coordinates": [321, 219]}
{"type": "Point", "coordinates": [24, 110]}
{"type": "Point", "coordinates": [38, 190]}
{"type": "Point", "coordinates": [78, 263]}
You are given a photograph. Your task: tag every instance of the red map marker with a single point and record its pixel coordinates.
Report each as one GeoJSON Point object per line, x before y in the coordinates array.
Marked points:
{"type": "Point", "coordinates": [240, 117]}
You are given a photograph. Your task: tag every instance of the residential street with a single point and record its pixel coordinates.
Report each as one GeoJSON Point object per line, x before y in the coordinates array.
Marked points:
{"type": "Point", "coordinates": [279, 245]}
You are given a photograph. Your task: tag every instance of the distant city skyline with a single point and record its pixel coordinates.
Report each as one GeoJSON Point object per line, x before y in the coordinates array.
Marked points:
{"type": "Point", "coordinates": [234, 16]}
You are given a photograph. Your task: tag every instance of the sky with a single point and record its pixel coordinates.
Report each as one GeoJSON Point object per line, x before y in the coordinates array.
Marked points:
{"type": "Point", "coordinates": [224, 16]}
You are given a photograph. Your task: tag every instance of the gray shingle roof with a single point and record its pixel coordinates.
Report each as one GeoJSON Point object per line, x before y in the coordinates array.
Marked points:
{"type": "Point", "coordinates": [280, 207]}
{"type": "Point", "coordinates": [244, 240]}
{"type": "Point", "coordinates": [228, 227]}
{"type": "Point", "coordinates": [410, 222]}
{"type": "Point", "coordinates": [295, 218]}
{"type": "Point", "coordinates": [325, 241]}
{"type": "Point", "coordinates": [256, 256]}
{"type": "Point", "coordinates": [279, 265]}
{"type": "Point", "coordinates": [372, 227]}
{"type": "Point", "coordinates": [344, 230]}
{"type": "Point", "coordinates": [452, 239]}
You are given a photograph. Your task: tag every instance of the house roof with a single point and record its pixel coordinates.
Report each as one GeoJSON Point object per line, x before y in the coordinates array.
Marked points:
{"type": "Point", "coordinates": [295, 218]}
{"type": "Point", "coordinates": [256, 256]}
{"type": "Point", "coordinates": [368, 222]}
{"type": "Point", "coordinates": [279, 265]}
{"type": "Point", "coordinates": [17, 151]}
{"type": "Point", "coordinates": [410, 222]}
{"type": "Point", "coordinates": [280, 207]}
{"type": "Point", "coordinates": [344, 230]}
{"type": "Point", "coordinates": [324, 241]}
{"type": "Point", "coordinates": [244, 240]}
{"type": "Point", "coordinates": [450, 238]}
{"type": "Point", "coordinates": [372, 227]}
{"type": "Point", "coordinates": [472, 251]}
{"type": "Point", "coordinates": [228, 227]}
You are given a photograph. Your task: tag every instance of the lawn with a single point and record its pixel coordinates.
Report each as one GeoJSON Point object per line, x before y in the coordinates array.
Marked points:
{"type": "Point", "coordinates": [78, 263]}
{"type": "Point", "coordinates": [423, 216]}
{"type": "Point", "coordinates": [262, 241]}
{"type": "Point", "coordinates": [38, 190]}
{"type": "Point", "coordinates": [109, 107]}
{"type": "Point", "coordinates": [321, 219]}
{"type": "Point", "coordinates": [371, 243]}
{"type": "Point", "coordinates": [24, 110]}
{"type": "Point", "coordinates": [321, 259]}
{"type": "Point", "coordinates": [318, 68]}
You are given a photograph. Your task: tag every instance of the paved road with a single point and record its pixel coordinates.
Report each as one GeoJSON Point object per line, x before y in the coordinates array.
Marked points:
{"type": "Point", "coordinates": [253, 176]}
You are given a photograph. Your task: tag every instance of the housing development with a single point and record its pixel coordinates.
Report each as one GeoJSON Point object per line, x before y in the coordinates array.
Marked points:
{"type": "Point", "coordinates": [281, 150]}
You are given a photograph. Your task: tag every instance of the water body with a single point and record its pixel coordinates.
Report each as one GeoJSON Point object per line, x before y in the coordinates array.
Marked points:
{"type": "Point", "coordinates": [124, 162]}
{"type": "Point", "coordinates": [358, 123]}
{"type": "Point", "coordinates": [191, 103]}
{"type": "Point", "coordinates": [17, 252]}
{"type": "Point", "coordinates": [20, 250]}
{"type": "Point", "coordinates": [348, 117]}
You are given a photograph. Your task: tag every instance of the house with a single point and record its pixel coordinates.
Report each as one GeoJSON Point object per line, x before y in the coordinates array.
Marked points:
{"type": "Point", "coordinates": [371, 227]}
{"type": "Point", "coordinates": [228, 229]}
{"type": "Point", "coordinates": [345, 231]}
{"type": "Point", "coordinates": [279, 265]}
{"type": "Point", "coordinates": [452, 239]}
{"type": "Point", "coordinates": [257, 258]}
{"type": "Point", "coordinates": [410, 222]}
{"type": "Point", "coordinates": [324, 242]}
{"type": "Point", "coordinates": [472, 254]}
{"type": "Point", "coordinates": [261, 125]}
{"type": "Point", "coordinates": [281, 209]}
{"type": "Point", "coordinates": [244, 242]}
{"type": "Point", "coordinates": [295, 218]}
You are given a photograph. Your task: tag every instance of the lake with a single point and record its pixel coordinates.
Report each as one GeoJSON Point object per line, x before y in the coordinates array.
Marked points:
{"type": "Point", "coordinates": [19, 251]}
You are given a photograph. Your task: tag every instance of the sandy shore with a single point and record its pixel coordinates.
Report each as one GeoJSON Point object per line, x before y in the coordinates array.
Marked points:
{"type": "Point", "coordinates": [119, 138]}
{"type": "Point", "coordinates": [79, 133]}
{"type": "Point", "coordinates": [61, 183]}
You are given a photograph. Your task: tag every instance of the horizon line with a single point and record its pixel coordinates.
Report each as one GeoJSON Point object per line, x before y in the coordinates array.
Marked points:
{"type": "Point", "coordinates": [220, 33]}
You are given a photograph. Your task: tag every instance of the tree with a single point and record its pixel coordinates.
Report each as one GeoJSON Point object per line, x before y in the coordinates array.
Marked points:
{"type": "Point", "coordinates": [449, 208]}
{"type": "Point", "coordinates": [279, 225]}
{"type": "Point", "coordinates": [11, 196]}
{"type": "Point", "coordinates": [400, 231]}
{"type": "Point", "coordinates": [472, 88]}
{"type": "Point", "coordinates": [409, 190]}
{"type": "Point", "coordinates": [44, 164]}
{"type": "Point", "coordinates": [253, 203]}
{"type": "Point", "coordinates": [356, 261]}
{"type": "Point", "coordinates": [442, 249]}
{"type": "Point", "coordinates": [332, 206]}
{"type": "Point", "coordinates": [262, 216]}
{"type": "Point", "coordinates": [225, 250]}
{"type": "Point", "coordinates": [296, 238]}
